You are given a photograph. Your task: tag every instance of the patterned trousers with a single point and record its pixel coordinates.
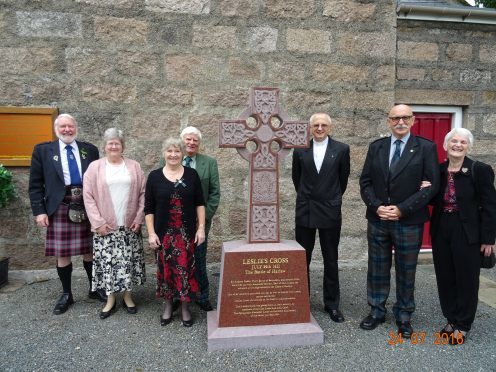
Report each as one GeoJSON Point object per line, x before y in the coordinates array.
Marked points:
{"type": "Point", "coordinates": [382, 236]}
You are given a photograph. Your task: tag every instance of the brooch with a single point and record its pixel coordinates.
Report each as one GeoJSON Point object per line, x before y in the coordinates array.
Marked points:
{"type": "Point", "coordinates": [179, 182]}
{"type": "Point", "coordinates": [464, 170]}
{"type": "Point", "coordinates": [56, 157]}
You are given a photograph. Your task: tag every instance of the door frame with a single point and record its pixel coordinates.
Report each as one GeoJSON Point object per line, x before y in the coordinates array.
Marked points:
{"type": "Point", "coordinates": [456, 122]}
{"type": "Point", "coordinates": [455, 110]}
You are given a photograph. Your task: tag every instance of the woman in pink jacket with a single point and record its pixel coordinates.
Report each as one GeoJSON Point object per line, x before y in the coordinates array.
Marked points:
{"type": "Point", "coordinates": [114, 191]}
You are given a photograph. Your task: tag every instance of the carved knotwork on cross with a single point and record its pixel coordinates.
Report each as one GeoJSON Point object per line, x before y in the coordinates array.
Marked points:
{"type": "Point", "coordinates": [274, 136]}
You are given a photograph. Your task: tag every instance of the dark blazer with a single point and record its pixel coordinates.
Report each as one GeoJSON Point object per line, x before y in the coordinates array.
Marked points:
{"type": "Point", "coordinates": [476, 202]}
{"type": "Point", "coordinates": [319, 195]}
{"type": "Point", "coordinates": [418, 162]}
{"type": "Point", "coordinates": [46, 178]}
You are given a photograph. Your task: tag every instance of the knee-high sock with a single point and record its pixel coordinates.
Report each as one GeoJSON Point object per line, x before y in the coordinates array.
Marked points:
{"type": "Point", "coordinates": [88, 266]}
{"type": "Point", "coordinates": [65, 274]}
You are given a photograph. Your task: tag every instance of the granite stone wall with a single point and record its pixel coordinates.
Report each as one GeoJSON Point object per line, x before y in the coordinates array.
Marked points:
{"type": "Point", "coordinates": [153, 67]}
{"type": "Point", "coordinates": [442, 63]}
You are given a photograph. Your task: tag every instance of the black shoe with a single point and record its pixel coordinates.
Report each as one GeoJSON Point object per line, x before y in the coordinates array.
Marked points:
{"type": "Point", "coordinates": [205, 305]}
{"type": "Point", "coordinates": [335, 314]}
{"type": "Point", "coordinates": [447, 331]}
{"type": "Point", "coordinates": [63, 303]}
{"type": "Point", "coordinates": [458, 337]}
{"type": "Point", "coordinates": [187, 323]}
{"type": "Point", "coordinates": [164, 322]}
{"type": "Point", "coordinates": [129, 309]}
{"type": "Point", "coordinates": [370, 322]}
{"type": "Point", "coordinates": [99, 295]}
{"type": "Point", "coordinates": [106, 314]}
{"type": "Point", "coordinates": [405, 328]}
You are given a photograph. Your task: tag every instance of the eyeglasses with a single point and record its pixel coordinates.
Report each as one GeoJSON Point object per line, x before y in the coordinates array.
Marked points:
{"type": "Point", "coordinates": [396, 119]}
{"type": "Point", "coordinates": [323, 126]}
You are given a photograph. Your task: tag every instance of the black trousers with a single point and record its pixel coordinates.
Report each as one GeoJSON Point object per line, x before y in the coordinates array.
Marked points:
{"type": "Point", "coordinates": [457, 266]}
{"type": "Point", "coordinates": [329, 241]}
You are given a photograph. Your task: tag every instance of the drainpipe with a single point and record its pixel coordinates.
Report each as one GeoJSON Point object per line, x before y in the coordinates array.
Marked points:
{"type": "Point", "coordinates": [415, 11]}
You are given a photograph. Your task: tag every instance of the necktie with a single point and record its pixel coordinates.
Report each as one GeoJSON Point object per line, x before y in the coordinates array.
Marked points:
{"type": "Point", "coordinates": [187, 161]}
{"type": "Point", "coordinates": [73, 167]}
{"type": "Point", "coordinates": [396, 155]}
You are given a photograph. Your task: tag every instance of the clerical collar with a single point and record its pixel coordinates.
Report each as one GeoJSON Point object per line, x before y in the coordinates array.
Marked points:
{"type": "Point", "coordinates": [321, 143]}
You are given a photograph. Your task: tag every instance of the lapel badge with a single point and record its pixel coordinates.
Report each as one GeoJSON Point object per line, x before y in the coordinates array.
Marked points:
{"type": "Point", "coordinates": [412, 150]}
{"type": "Point", "coordinates": [56, 157]}
{"type": "Point", "coordinates": [464, 170]}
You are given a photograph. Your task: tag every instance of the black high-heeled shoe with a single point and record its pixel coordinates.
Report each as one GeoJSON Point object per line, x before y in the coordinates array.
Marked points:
{"type": "Point", "coordinates": [129, 309]}
{"type": "Point", "coordinates": [187, 323]}
{"type": "Point", "coordinates": [106, 314]}
{"type": "Point", "coordinates": [164, 322]}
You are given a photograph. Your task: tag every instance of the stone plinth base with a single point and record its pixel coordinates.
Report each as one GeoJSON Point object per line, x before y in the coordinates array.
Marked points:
{"type": "Point", "coordinates": [269, 336]}
{"type": "Point", "coordinates": [263, 298]}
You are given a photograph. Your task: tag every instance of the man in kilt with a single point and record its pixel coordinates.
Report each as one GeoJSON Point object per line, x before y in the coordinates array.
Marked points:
{"type": "Point", "coordinates": [55, 182]}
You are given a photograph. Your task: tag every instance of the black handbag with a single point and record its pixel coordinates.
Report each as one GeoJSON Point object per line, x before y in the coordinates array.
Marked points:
{"type": "Point", "coordinates": [487, 262]}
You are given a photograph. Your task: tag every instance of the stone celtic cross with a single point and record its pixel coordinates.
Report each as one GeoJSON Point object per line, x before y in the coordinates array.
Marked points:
{"type": "Point", "coordinates": [273, 135]}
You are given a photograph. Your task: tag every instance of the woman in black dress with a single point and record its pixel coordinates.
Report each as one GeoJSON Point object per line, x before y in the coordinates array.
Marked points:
{"type": "Point", "coordinates": [175, 219]}
{"type": "Point", "coordinates": [463, 226]}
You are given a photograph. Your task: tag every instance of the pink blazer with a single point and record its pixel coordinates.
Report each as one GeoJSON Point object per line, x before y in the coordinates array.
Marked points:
{"type": "Point", "coordinates": [98, 202]}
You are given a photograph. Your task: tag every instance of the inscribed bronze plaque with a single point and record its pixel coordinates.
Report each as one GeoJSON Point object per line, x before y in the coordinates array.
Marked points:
{"type": "Point", "coordinates": [264, 287]}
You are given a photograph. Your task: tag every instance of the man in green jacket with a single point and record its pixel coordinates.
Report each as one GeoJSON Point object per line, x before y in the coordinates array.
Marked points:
{"type": "Point", "coordinates": [206, 167]}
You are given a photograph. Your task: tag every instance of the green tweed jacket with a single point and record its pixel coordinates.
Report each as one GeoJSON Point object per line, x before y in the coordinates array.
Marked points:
{"type": "Point", "coordinates": [207, 169]}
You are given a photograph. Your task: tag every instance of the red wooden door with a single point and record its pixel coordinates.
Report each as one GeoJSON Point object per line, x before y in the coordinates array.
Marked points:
{"type": "Point", "coordinates": [433, 126]}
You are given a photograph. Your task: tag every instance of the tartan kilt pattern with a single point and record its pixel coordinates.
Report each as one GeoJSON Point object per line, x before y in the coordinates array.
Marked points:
{"type": "Point", "coordinates": [65, 238]}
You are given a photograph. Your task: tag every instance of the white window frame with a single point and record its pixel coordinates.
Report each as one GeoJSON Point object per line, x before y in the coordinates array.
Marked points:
{"type": "Point", "coordinates": [457, 119]}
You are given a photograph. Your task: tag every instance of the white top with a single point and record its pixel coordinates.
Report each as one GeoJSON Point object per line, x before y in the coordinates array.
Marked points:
{"type": "Point", "coordinates": [119, 182]}
{"type": "Point", "coordinates": [319, 150]}
{"type": "Point", "coordinates": [65, 162]}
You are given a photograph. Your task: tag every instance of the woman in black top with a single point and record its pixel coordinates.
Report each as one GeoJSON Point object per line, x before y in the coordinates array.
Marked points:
{"type": "Point", "coordinates": [463, 224]}
{"type": "Point", "coordinates": [175, 219]}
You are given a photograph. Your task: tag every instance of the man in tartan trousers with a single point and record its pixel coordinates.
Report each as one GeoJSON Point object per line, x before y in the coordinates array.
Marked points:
{"type": "Point", "coordinates": [55, 179]}
{"type": "Point", "coordinates": [397, 207]}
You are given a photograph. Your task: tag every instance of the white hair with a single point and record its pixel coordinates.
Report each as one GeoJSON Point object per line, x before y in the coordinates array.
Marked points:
{"type": "Point", "coordinates": [67, 116]}
{"type": "Point", "coordinates": [191, 130]}
{"type": "Point", "coordinates": [462, 132]}
{"type": "Point", "coordinates": [326, 117]}
{"type": "Point", "coordinates": [111, 134]}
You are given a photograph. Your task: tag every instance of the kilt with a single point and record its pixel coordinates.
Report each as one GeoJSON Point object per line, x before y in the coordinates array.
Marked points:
{"type": "Point", "coordinates": [65, 238]}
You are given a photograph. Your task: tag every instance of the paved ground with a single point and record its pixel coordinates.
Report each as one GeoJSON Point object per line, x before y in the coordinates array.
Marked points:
{"type": "Point", "coordinates": [32, 339]}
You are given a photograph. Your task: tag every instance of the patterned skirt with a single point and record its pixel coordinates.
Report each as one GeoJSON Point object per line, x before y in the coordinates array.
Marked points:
{"type": "Point", "coordinates": [65, 238]}
{"type": "Point", "coordinates": [118, 261]}
{"type": "Point", "coordinates": [176, 268]}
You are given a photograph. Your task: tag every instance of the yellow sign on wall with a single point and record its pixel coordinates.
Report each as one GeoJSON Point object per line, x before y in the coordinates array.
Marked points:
{"type": "Point", "coordinates": [20, 129]}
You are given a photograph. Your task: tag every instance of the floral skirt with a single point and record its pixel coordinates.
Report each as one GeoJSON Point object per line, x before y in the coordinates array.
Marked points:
{"type": "Point", "coordinates": [118, 261]}
{"type": "Point", "coordinates": [176, 268]}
